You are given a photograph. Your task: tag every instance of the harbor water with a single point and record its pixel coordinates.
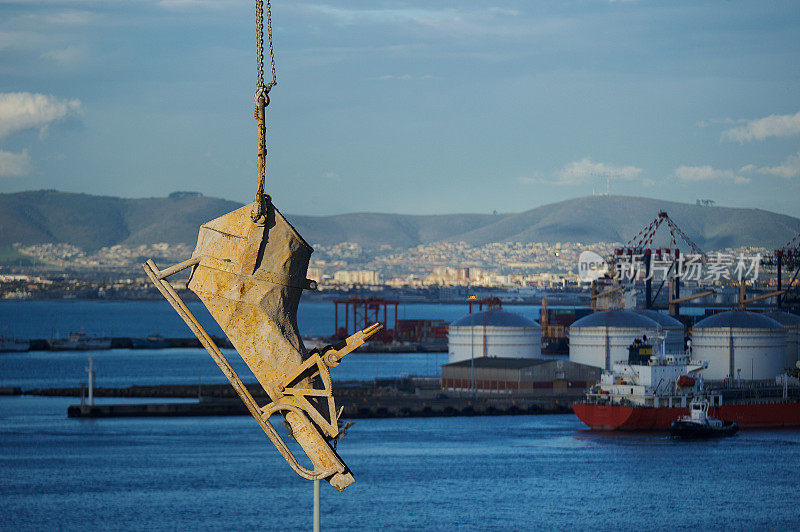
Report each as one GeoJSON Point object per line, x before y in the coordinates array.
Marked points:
{"type": "Point", "coordinates": [44, 319]}
{"type": "Point", "coordinates": [479, 473]}
{"type": "Point", "coordinates": [466, 473]}
{"type": "Point", "coordinates": [126, 367]}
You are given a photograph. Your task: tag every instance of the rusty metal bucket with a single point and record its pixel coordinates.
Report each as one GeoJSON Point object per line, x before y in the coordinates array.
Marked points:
{"type": "Point", "coordinates": [251, 276]}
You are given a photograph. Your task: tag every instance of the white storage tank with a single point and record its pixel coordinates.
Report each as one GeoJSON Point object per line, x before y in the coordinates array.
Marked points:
{"type": "Point", "coordinates": [603, 338]}
{"type": "Point", "coordinates": [494, 333]}
{"type": "Point", "coordinates": [672, 329]}
{"type": "Point", "coordinates": [739, 344]}
{"type": "Point", "coordinates": [791, 323]}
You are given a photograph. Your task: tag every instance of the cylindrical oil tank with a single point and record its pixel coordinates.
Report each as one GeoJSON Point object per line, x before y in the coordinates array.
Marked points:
{"type": "Point", "coordinates": [791, 323]}
{"type": "Point", "coordinates": [602, 339]}
{"type": "Point", "coordinates": [672, 329]}
{"type": "Point", "coordinates": [494, 333]}
{"type": "Point", "coordinates": [739, 344]}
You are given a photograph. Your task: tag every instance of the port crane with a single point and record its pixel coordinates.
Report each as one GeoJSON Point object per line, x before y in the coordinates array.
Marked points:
{"type": "Point", "coordinates": [249, 269]}
{"type": "Point", "coordinates": [786, 258]}
{"type": "Point", "coordinates": [642, 245]}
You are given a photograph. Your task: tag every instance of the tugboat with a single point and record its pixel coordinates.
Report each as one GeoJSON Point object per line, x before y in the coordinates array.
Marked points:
{"type": "Point", "coordinates": [698, 424]}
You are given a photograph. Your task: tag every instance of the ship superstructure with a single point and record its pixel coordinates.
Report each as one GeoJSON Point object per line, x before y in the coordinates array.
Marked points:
{"type": "Point", "coordinates": [649, 378]}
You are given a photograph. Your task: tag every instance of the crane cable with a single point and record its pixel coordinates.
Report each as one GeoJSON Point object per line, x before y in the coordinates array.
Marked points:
{"type": "Point", "coordinates": [257, 213]}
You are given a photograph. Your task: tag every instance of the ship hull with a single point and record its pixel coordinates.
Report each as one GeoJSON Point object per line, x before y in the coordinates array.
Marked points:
{"type": "Point", "coordinates": [691, 430]}
{"type": "Point", "coordinates": [633, 418]}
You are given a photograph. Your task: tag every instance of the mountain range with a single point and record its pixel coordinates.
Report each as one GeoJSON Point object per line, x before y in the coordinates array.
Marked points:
{"type": "Point", "coordinates": [91, 222]}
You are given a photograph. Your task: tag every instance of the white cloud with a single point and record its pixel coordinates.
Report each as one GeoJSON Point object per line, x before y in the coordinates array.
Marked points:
{"type": "Point", "coordinates": [70, 55]}
{"type": "Point", "coordinates": [192, 4]}
{"type": "Point", "coordinates": [459, 21]}
{"type": "Point", "coordinates": [10, 40]}
{"type": "Point", "coordinates": [762, 128]}
{"type": "Point", "coordinates": [376, 14]}
{"type": "Point", "coordinates": [23, 110]}
{"type": "Point", "coordinates": [401, 77]}
{"type": "Point", "coordinates": [708, 173]}
{"type": "Point", "coordinates": [713, 121]}
{"type": "Point", "coordinates": [788, 169]}
{"type": "Point", "coordinates": [502, 11]}
{"type": "Point", "coordinates": [586, 170]}
{"type": "Point", "coordinates": [332, 176]}
{"type": "Point", "coordinates": [70, 18]}
{"type": "Point", "coordinates": [582, 172]}
{"type": "Point", "coordinates": [14, 164]}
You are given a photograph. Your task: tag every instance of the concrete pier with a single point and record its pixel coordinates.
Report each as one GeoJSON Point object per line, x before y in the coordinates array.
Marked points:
{"type": "Point", "coordinates": [405, 407]}
{"type": "Point", "coordinates": [410, 397]}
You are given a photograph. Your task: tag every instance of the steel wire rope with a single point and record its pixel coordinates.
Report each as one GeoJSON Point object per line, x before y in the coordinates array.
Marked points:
{"type": "Point", "coordinates": [261, 101]}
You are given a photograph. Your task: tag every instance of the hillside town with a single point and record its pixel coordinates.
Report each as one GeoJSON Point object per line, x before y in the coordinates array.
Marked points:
{"type": "Point", "coordinates": [439, 271]}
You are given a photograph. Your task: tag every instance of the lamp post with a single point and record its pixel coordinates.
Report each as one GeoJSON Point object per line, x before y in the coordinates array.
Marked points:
{"type": "Point", "coordinates": [472, 358]}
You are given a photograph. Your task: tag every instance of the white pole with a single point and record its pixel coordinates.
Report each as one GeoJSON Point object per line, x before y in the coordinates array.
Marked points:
{"type": "Point", "coordinates": [90, 370]}
{"type": "Point", "coordinates": [472, 359]}
{"type": "Point", "coordinates": [316, 506]}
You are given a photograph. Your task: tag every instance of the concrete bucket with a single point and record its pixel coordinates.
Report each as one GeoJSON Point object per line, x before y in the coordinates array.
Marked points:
{"type": "Point", "coordinates": [251, 276]}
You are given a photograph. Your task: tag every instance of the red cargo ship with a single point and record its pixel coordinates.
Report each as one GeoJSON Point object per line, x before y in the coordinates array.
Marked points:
{"type": "Point", "coordinates": [642, 418]}
{"type": "Point", "coordinates": [651, 391]}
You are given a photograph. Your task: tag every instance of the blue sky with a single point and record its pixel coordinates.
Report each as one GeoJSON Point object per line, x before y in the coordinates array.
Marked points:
{"type": "Point", "coordinates": [406, 106]}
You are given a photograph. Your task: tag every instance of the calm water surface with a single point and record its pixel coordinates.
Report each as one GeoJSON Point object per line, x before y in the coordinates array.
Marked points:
{"type": "Point", "coordinates": [221, 473]}
{"type": "Point", "coordinates": [43, 319]}
{"type": "Point", "coordinates": [491, 473]}
{"type": "Point", "coordinates": [125, 367]}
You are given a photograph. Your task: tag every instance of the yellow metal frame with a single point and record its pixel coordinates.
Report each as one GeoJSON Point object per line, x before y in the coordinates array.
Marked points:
{"type": "Point", "coordinates": [261, 417]}
{"type": "Point", "coordinates": [293, 401]}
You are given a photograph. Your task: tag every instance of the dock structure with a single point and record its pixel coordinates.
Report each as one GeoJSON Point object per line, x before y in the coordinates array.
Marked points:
{"type": "Point", "coordinates": [447, 407]}
{"type": "Point", "coordinates": [364, 311]}
{"type": "Point", "coordinates": [410, 397]}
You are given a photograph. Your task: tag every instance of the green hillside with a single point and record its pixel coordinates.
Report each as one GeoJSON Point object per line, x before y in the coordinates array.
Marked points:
{"type": "Point", "coordinates": [92, 222]}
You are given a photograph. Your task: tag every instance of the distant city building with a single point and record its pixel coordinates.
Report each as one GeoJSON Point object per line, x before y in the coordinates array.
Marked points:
{"type": "Point", "coordinates": [368, 277]}
{"type": "Point", "coordinates": [315, 274]}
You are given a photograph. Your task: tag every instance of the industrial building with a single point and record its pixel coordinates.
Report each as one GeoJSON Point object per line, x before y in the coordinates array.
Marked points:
{"type": "Point", "coordinates": [602, 339]}
{"type": "Point", "coordinates": [739, 344]}
{"type": "Point", "coordinates": [497, 375]}
{"type": "Point", "coordinates": [554, 323]}
{"type": "Point", "coordinates": [494, 333]}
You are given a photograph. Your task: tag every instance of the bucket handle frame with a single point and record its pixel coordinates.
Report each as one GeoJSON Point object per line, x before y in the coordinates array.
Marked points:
{"type": "Point", "coordinates": [262, 417]}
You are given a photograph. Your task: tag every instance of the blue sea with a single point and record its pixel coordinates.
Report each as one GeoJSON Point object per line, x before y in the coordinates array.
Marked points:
{"type": "Point", "coordinates": [222, 473]}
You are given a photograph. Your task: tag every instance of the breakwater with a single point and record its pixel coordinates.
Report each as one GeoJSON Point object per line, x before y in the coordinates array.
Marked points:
{"type": "Point", "coordinates": [102, 344]}
{"type": "Point", "coordinates": [391, 408]}
{"type": "Point", "coordinates": [381, 399]}
{"type": "Point", "coordinates": [49, 344]}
